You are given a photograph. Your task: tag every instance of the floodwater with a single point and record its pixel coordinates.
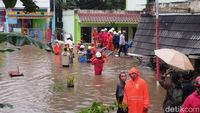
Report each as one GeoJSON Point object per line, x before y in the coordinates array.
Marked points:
{"type": "Point", "coordinates": [43, 89]}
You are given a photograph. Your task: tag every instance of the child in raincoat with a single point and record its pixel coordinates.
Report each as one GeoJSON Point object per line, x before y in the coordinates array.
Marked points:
{"type": "Point", "coordinates": [98, 64]}
{"type": "Point", "coordinates": [88, 54]}
{"type": "Point", "coordinates": [82, 54]}
{"type": "Point", "coordinates": [56, 48]}
{"type": "Point", "coordinates": [65, 57]}
{"type": "Point", "coordinates": [120, 92]}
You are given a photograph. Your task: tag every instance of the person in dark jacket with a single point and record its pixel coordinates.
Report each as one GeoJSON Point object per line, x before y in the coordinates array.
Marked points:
{"type": "Point", "coordinates": [188, 86]}
{"type": "Point", "coordinates": [116, 41]}
{"type": "Point", "coordinates": [88, 54]}
{"type": "Point", "coordinates": [120, 91]}
{"type": "Point", "coordinates": [171, 82]}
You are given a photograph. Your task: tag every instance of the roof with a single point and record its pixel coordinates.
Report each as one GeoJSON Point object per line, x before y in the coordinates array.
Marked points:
{"type": "Point", "coordinates": [108, 16]}
{"type": "Point", "coordinates": [180, 32]}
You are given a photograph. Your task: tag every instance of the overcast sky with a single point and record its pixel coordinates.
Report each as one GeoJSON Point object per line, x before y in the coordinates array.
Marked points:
{"type": "Point", "coordinates": [167, 1]}
{"type": "Point", "coordinates": [40, 3]}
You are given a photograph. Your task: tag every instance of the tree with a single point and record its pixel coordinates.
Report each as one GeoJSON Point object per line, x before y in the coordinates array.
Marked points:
{"type": "Point", "coordinates": [66, 4]}
{"type": "Point", "coordinates": [92, 4]}
{"type": "Point", "coordinates": [29, 5]}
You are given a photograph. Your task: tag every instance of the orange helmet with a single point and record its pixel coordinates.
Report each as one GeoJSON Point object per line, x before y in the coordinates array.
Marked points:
{"type": "Point", "coordinates": [197, 81]}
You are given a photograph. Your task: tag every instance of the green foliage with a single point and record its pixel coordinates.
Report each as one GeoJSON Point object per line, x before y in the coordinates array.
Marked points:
{"type": "Point", "coordinates": [20, 40]}
{"type": "Point", "coordinates": [91, 4]}
{"type": "Point", "coordinates": [123, 106]}
{"type": "Point", "coordinates": [98, 107]}
{"type": "Point", "coordinates": [70, 81]}
{"type": "Point", "coordinates": [9, 3]}
{"type": "Point", "coordinates": [29, 5]}
{"type": "Point", "coordinates": [3, 105]}
{"type": "Point", "coordinates": [59, 88]}
{"type": "Point", "coordinates": [67, 4]}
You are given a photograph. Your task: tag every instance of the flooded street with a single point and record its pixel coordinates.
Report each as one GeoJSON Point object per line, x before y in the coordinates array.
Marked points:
{"type": "Point", "coordinates": [43, 87]}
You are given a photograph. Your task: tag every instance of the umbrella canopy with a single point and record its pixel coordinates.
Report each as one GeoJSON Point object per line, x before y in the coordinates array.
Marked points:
{"type": "Point", "coordinates": [20, 40]}
{"type": "Point", "coordinates": [174, 58]}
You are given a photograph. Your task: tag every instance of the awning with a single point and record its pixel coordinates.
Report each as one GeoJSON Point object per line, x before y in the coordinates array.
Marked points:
{"type": "Point", "coordinates": [30, 16]}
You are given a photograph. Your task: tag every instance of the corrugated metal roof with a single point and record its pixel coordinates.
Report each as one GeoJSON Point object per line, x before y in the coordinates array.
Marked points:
{"type": "Point", "coordinates": [181, 32]}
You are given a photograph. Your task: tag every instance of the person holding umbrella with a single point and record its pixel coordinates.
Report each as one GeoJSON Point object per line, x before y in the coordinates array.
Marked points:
{"type": "Point", "coordinates": [171, 82]}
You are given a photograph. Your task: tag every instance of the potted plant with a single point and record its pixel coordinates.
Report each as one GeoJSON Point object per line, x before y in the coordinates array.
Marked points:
{"type": "Point", "coordinates": [70, 81]}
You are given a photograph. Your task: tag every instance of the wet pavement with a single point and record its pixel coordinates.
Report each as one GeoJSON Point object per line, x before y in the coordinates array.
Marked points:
{"type": "Point", "coordinates": [43, 87]}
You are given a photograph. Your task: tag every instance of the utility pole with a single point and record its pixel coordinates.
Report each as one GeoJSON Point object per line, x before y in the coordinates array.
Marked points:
{"type": "Point", "coordinates": [7, 22]}
{"type": "Point", "coordinates": [53, 22]}
{"type": "Point", "coordinates": [157, 43]}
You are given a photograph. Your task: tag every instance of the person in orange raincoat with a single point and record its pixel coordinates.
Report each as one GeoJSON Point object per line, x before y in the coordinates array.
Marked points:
{"type": "Point", "coordinates": [109, 45]}
{"type": "Point", "coordinates": [136, 95]}
{"type": "Point", "coordinates": [95, 35]}
{"type": "Point", "coordinates": [56, 48]}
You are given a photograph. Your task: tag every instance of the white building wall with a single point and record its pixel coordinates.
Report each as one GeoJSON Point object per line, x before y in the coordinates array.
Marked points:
{"type": "Point", "coordinates": [139, 5]}
{"type": "Point", "coordinates": [168, 1]}
{"type": "Point", "coordinates": [68, 21]}
{"type": "Point", "coordinates": [135, 5]}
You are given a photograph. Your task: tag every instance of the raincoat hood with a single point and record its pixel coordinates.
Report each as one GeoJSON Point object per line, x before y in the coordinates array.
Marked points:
{"type": "Point", "coordinates": [134, 70]}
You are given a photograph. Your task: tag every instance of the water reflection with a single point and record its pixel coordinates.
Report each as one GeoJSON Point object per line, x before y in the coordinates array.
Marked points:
{"type": "Point", "coordinates": [35, 93]}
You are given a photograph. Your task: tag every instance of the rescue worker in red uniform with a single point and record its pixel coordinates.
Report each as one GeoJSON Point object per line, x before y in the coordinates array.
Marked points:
{"type": "Point", "coordinates": [109, 45]}
{"type": "Point", "coordinates": [95, 36]}
{"type": "Point", "coordinates": [98, 64]}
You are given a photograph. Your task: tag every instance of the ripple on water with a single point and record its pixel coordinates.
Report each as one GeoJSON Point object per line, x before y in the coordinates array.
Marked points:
{"type": "Point", "coordinates": [33, 93]}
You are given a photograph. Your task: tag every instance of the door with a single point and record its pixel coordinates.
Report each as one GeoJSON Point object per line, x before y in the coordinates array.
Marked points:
{"type": "Point", "coordinates": [86, 34]}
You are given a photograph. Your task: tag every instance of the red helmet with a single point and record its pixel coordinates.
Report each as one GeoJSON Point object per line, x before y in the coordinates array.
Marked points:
{"type": "Point", "coordinates": [197, 81]}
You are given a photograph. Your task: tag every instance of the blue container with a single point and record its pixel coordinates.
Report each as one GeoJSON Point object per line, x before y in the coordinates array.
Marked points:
{"type": "Point", "coordinates": [82, 59]}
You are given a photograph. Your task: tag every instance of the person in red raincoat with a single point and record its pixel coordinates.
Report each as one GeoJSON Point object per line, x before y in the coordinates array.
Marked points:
{"type": "Point", "coordinates": [192, 102]}
{"type": "Point", "coordinates": [56, 48]}
{"type": "Point", "coordinates": [136, 95]}
{"type": "Point", "coordinates": [109, 45]}
{"type": "Point", "coordinates": [95, 35]}
{"type": "Point", "coordinates": [105, 37]}
{"type": "Point", "coordinates": [98, 64]}
{"type": "Point", "coordinates": [93, 49]}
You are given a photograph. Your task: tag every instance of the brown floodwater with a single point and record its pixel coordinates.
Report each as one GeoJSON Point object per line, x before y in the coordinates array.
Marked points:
{"type": "Point", "coordinates": [43, 87]}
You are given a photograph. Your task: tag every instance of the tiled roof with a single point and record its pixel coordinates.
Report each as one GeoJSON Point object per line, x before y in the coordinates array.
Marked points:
{"type": "Point", "coordinates": [108, 16]}
{"type": "Point", "coordinates": [180, 32]}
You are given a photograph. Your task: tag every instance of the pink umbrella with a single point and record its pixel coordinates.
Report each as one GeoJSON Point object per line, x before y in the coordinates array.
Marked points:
{"type": "Point", "coordinates": [174, 58]}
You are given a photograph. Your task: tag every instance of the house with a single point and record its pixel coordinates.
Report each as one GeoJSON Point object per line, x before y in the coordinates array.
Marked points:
{"type": "Point", "coordinates": [34, 24]}
{"type": "Point", "coordinates": [81, 22]}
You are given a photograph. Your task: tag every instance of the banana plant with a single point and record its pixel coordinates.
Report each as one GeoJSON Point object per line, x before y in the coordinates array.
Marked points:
{"type": "Point", "coordinates": [17, 39]}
